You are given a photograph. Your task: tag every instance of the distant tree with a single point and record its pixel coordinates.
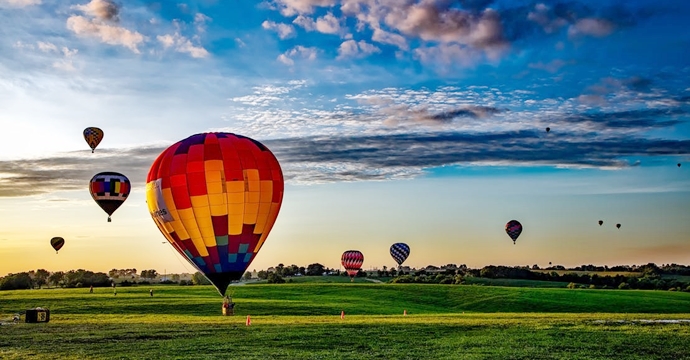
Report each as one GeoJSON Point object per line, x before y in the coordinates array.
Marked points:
{"type": "Point", "coordinates": [623, 286]}
{"type": "Point", "coordinates": [262, 274]}
{"type": "Point", "coordinates": [199, 279]}
{"type": "Point", "coordinates": [315, 269]}
{"type": "Point", "coordinates": [572, 285]}
{"type": "Point", "coordinates": [56, 278]}
{"type": "Point", "coordinates": [16, 281]}
{"type": "Point", "coordinates": [41, 277]}
{"type": "Point", "coordinates": [247, 275]}
{"type": "Point", "coordinates": [175, 277]}
{"type": "Point", "coordinates": [149, 274]}
{"type": "Point", "coordinates": [274, 278]}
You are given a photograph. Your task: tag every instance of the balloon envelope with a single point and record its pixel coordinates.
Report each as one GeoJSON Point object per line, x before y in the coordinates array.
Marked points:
{"type": "Point", "coordinates": [400, 252]}
{"type": "Point", "coordinates": [57, 243]}
{"type": "Point", "coordinates": [352, 261]}
{"type": "Point", "coordinates": [513, 229]}
{"type": "Point", "coordinates": [548, 129]}
{"type": "Point", "coordinates": [601, 222]}
{"type": "Point", "coordinates": [109, 190]}
{"type": "Point", "coordinates": [215, 197]}
{"type": "Point", "coordinates": [93, 137]}
{"type": "Point", "coordinates": [618, 226]}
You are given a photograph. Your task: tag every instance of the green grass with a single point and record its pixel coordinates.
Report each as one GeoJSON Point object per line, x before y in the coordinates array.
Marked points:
{"type": "Point", "coordinates": [302, 321]}
{"type": "Point", "coordinates": [515, 282]}
{"type": "Point", "coordinates": [590, 273]}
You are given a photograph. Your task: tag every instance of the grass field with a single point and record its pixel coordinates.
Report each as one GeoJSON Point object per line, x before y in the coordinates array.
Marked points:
{"type": "Point", "coordinates": [302, 321]}
{"type": "Point", "coordinates": [590, 273]}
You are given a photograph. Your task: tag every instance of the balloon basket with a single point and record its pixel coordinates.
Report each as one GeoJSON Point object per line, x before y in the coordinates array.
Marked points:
{"type": "Point", "coordinates": [109, 219]}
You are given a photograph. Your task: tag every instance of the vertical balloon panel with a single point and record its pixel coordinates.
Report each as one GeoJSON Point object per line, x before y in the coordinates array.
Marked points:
{"type": "Point", "coordinates": [215, 197]}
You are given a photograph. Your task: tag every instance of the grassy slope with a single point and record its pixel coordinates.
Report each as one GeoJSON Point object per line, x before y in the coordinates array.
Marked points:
{"type": "Point", "coordinates": [302, 321]}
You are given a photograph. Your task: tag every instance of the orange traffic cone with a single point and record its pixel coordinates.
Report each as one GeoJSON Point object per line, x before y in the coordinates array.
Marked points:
{"type": "Point", "coordinates": [405, 312]}
{"type": "Point", "coordinates": [342, 315]}
{"type": "Point", "coordinates": [249, 321]}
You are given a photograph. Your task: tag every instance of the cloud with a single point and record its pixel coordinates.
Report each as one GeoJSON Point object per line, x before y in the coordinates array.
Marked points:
{"type": "Point", "coordinates": [591, 27]}
{"type": "Point", "coordinates": [109, 34]}
{"type": "Point", "coordinates": [354, 49]}
{"type": "Point", "coordinates": [182, 45]}
{"type": "Point", "coordinates": [295, 7]}
{"type": "Point", "coordinates": [100, 9]}
{"type": "Point", "coordinates": [300, 51]}
{"type": "Point", "coordinates": [552, 66]}
{"type": "Point", "coordinates": [284, 30]}
{"type": "Point", "coordinates": [65, 55]}
{"type": "Point", "coordinates": [19, 3]}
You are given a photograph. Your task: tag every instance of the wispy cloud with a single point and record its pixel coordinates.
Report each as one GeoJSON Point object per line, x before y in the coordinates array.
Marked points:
{"type": "Point", "coordinates": [19, 3]}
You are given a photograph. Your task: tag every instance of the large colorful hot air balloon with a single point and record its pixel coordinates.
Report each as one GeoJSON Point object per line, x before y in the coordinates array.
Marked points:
{"type": "Point", "coordinates": [57, 243]}
{"type": "Point", "coordinates": [93, 137]}
{"type": "Point", "coordinates": [215, 197]}
{"type": "Point", "coordinates": [513, 228]}
{"type": "Point", "coordinates": [110, 190]}
{"type": "Point", "coordinates": [352, 261]}
{"type": "Point", "coordinates": [400, 252]}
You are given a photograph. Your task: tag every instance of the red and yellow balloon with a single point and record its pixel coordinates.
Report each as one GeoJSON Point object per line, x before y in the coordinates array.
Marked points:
{"type": "Point", "coordinates": [215, 197]}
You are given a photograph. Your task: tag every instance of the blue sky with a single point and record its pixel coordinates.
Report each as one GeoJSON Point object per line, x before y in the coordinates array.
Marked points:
{"type": "Point", "coordinates": [393, 120]}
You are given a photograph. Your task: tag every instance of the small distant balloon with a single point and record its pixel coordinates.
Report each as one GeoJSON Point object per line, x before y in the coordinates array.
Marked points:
{"type": "Point", "coordinates": [352, 261]}
{"type": "Point", "coordinates": [618, 226]}
{"type": "Point", "coordinates": [601, 222]}
{"type": "Point", "coordinates": [57, 243]}
{"type": "Point", "coordinates": [678, 164]}
{"type": "Point", "coordinates": [93, 137]}
{"type": "Point", "coordinates": [513, 229]}
{"type": "Point", "coordinates": [400, 252]}
{"type": "Point", "coordinates": [109, 190]}
{"type": "Point", "coordinates": [548, 129]}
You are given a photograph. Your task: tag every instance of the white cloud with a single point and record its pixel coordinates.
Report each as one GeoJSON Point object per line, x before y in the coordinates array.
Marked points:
{"type": "Point", "coordinates": [100, 9]}
{"type": "Point", "coordinates": [591, 27]}
{"type": "Point", "coordinates": [354, 49]}
{"type": "Point", "coordinates": [19, 3]}
{"type": "Point", "coordinates": [300, 51]}
{"type": "Point", "coordinates": [109, 34]}
{"type": "Point", "coordinates": [183, 45]}
{"type": "Point", "coordinates": [295, 7]}
{"type": "Point", "coordinates": [284, 30]}
{"type": "Point", "coordinates": [46, 46]}
{"type": "Point", "coordinates": [200, 21]}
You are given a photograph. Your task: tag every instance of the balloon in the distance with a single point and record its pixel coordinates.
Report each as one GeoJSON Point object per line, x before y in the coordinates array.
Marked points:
{"type": "Point", "coordinates": [109, 190]}
{"type": "Point", "coordinates": [215, 198]}
{"type": "Point", "coordinates": [352, 261]}
{"type": "Point", "coordinates": [400, 252]}
{"type": "Point", "coordinates": [93, 137]}
{"type": "Point", "coordinates": [548, 129]}
{"type": "Point", "coordinates": [618, 226]}
{"type": "Point", "coordinates": [57, 243]}
{"type": "Point", "coordinates": [601, 222]}
{"type": "Point", "coordinates": [513, 229]}
{"type": "Point", "coordinates": [678, 164]}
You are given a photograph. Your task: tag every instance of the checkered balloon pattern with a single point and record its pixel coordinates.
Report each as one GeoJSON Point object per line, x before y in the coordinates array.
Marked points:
{"type": "Point", "coordinates": [93, 137]}
{"type": "Point", "coordinates": [352, 261]}
{"type": "Point", "coordinates": [513, 228]}
{"type": "Point", "coordinates": [400, 252]}
{"type": "Point", "coordinates": [215, 197]}
{"type": "Point", "coordinates": [109, 190]}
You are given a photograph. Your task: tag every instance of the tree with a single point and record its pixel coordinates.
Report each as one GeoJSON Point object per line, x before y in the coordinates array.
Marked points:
{"type": "Point", "coordinates": [199, 279]}
{"type": "Point", "coordinates": [262, 274]}
{"type": "Point", "coordinates": [274, 278]}
{"type": "Point", "coordinates": [247, 276]}
{"type": "Point", "coordinates": [315, 269]}
{"type": "Point", "coordinates": [149, 274]}
{"type": "Point", "coordinates": [40, 277]}
{"type": "Point", "coordinates": [56, 278]}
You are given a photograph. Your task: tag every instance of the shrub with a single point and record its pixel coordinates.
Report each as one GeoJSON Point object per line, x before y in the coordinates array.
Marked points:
{"type": "Point", "coordinates": [592, 286]}
{"type": "Point", "coordinates": [572, 285]}
{"type": "Point", "coordinates": [623, 286]}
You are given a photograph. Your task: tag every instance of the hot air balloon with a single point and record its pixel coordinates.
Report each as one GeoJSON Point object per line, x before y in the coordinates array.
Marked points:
{"type": "Point", "coordinates": [109, 190]}
{"type": "Point", "coordinates": [400, 252]}
{"type": "Point", "coordinates": [57, 243]}
{"type": "Point", "coordinates": [93, 137]}
{"type": "Point", "coordinates": [601, 222]}
{"type": "Point", "coordinates": [618, 226]}
{"type": "Point", "coordinates": [215, 198]}
{"type": "Point", "coordinates": [548, 129]}
{"type": "Point", "coordinates": [352, 261]}
{"type": "Point", "coordinates": [678, 164]}
{"type": "Point", "coordinates": [513, 228]}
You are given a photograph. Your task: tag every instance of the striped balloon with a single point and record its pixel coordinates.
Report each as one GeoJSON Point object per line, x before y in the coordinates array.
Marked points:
{"type": "Point", "coordinates": [514, 229]}
{"type": "Point", "coordinates": [352, 261]}
{"type": "Point", "coordinates": [215, 197]}
{"type": "Point", "coordinates": [57, 243]}
{"type": "Point", "coordinates": [400, 252]}
{"type": "Point", "coordinates": [109, 190]}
